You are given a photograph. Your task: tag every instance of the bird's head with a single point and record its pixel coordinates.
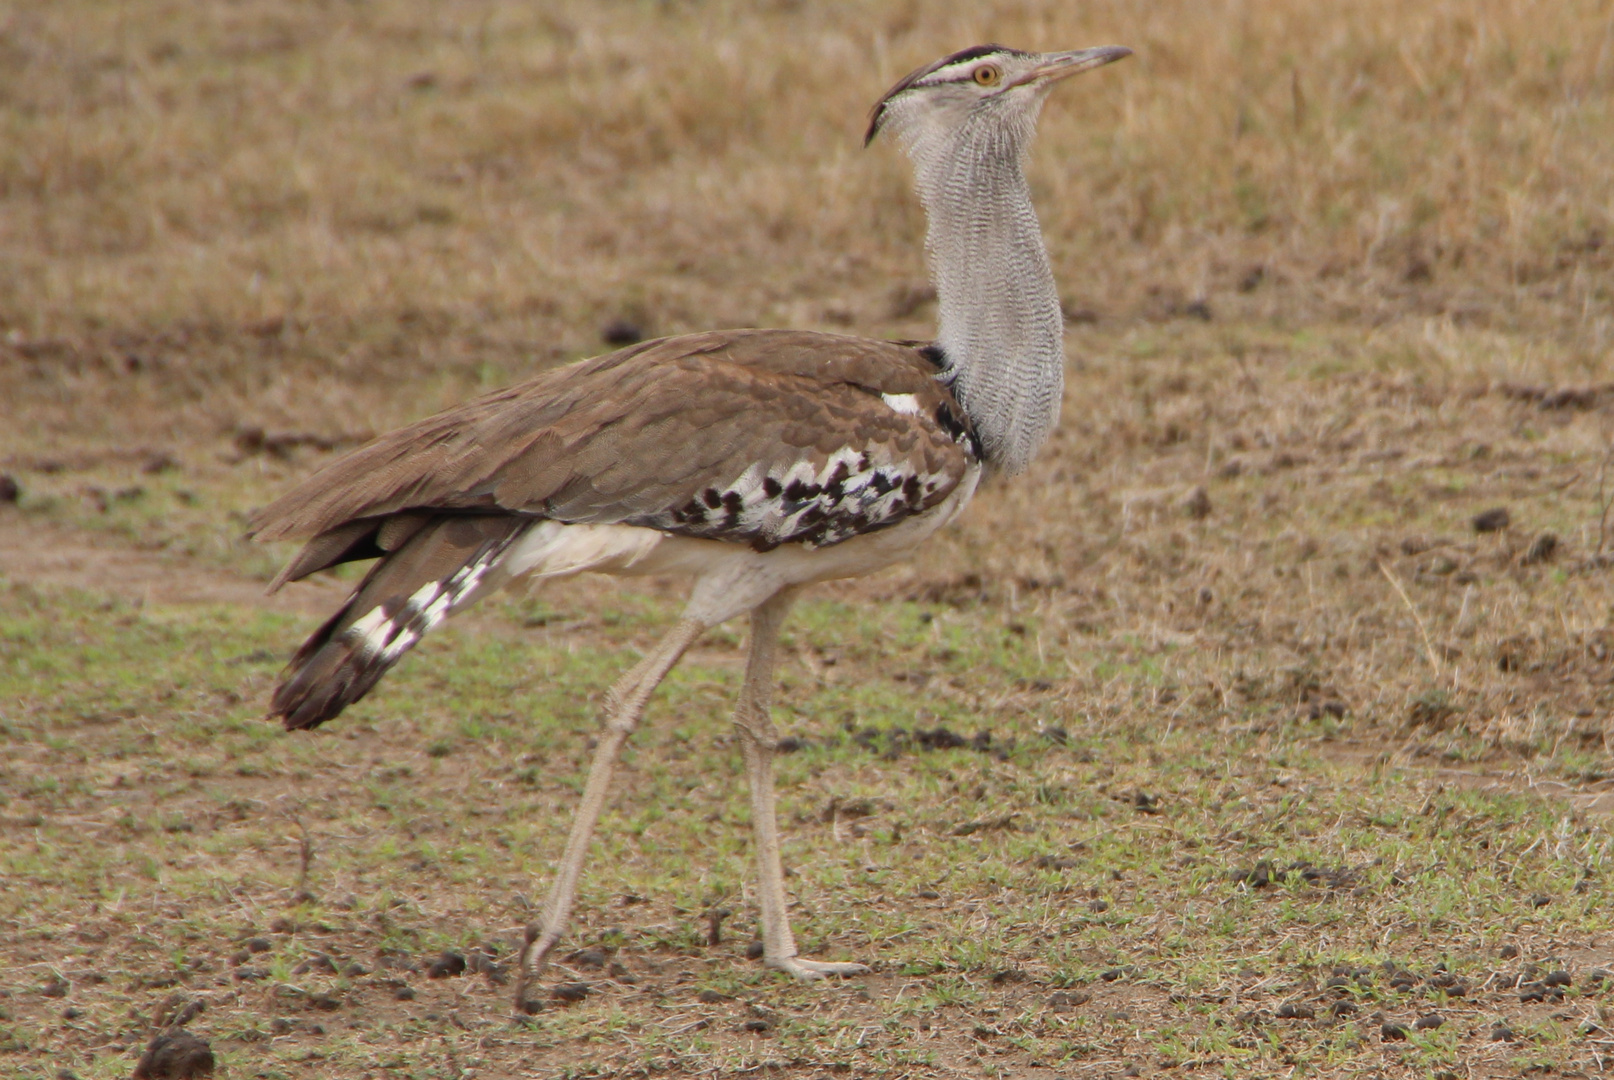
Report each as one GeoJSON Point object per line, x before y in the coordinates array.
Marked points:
{"type": "Point", "coordinates": [987, 91]}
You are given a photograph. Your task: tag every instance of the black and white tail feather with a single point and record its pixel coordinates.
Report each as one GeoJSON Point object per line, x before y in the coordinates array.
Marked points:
{"type": "Point", "coordinates": [403, 597]}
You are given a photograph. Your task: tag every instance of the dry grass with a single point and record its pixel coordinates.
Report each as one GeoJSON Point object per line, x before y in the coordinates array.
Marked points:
{"type": "Point", "coordinates": [1339, 282]}
{"type": "Point", "coordinates": [339, 190]}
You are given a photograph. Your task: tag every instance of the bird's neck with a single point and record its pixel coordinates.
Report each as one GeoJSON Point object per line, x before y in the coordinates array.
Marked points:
{"type": "Point", "coordinates": [1000, 322]}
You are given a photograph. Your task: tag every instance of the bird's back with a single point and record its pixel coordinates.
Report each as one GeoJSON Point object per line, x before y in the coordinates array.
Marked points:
{"type": "Point", "coordinates": [755, 438]}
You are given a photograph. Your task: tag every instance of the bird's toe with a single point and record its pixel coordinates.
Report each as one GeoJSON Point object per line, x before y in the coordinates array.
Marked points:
{"type": "Point", "coordinates": [813, 970]}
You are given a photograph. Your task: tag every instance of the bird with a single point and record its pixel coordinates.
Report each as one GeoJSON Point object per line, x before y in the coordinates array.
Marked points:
{"type": "Point", "coordinates": [754, 462]}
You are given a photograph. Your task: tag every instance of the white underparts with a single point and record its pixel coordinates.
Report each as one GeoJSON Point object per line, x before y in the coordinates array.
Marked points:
{"type": "Point", "coordinates": [730, 578]}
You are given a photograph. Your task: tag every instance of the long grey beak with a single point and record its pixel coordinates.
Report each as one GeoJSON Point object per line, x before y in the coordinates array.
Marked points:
{"type": "Point", "coordinates": [1061, 65]}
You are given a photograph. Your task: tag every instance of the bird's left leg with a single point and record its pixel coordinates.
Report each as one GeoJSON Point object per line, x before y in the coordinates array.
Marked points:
{"type": "Point", "coordinates": [757, 741]}
{"type": "Point", "coordinates": [624, 706]}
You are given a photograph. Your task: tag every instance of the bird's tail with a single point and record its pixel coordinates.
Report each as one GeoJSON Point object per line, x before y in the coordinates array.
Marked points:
{"type": "Point", "coordinates": [444, 565]}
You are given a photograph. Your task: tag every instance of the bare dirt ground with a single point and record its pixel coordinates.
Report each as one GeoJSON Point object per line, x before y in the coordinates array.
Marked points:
{"type": "Point", "coordinates": [1262, 729]}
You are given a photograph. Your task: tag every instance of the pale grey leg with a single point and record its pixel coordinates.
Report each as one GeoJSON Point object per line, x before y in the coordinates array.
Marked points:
{"type": "Point", "coordinates": [757, 741]}
{"type": "Point", "coordinates": [624, 706]}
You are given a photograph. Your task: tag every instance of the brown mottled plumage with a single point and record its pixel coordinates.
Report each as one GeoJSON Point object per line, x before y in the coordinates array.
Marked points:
{"type": "Point", "coordinates": [657, 435]}
{"type": "Point", "coordinates": [632, 433]}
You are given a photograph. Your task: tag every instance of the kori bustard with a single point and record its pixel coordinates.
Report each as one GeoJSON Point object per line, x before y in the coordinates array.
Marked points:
{"type": "Point", "coordinates": [754, 461]}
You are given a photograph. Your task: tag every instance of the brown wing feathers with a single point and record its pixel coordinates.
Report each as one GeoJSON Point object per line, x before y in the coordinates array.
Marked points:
{"type": "Point", "coordinates": [760, 437]}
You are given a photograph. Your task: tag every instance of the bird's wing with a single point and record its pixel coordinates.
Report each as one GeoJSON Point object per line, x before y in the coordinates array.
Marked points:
{"type": "Point", "coordinates": [764, 437]}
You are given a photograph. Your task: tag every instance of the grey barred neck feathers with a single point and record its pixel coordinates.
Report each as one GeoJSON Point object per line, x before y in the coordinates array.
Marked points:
{"type": "Point", "coordinates": [966, 122]}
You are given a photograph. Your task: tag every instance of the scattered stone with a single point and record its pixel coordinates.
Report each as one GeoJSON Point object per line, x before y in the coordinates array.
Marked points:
{"type": "Point", "coordinates": [621, 332]}
{"type": "Point", "coordinates": [1557, 978]}
{"type": "Point", "coordinates": [1065, 1000]}
{"type": "Point", "coordinates": [1402, 981]}
{"type": "Point", "coordinates": [1508, 952]}
{"type": "Point", "coordinates": [755, 1027]}
{"type": "Point", "coordinates": [251, 974]}
{"type": "Point", "coordinates": [940, 738]}
{"type": "Point", "coordinates": [1537, 991]}
{"type": "Point", "coordinates": [1054, 862]}
{"type": "Point", "coordinates": [1429, 1023]}
{"type": "Point", "coordinates": [1392, 1032]}
{"type": "Point", "coordinates": [589, 958]}
{"type": "Point", "coordinates": [714, 925]}
{"type": "Point", "coordinates": [71, 1013]}
{"type": "Point", "coordinates": [177, 1010]}
{"type": "Point", "coordinates": [1502, 1033]}
{"type": "Point", "coordinates": [485, 962]}
{"type": "Point", "coordinates": [10, 490]}
{"type": "Point", "coordinates": [324, 1002]}
{"type": "Point", "coordinates": [403, 993]}
{"type": "Point", "coordinates": [1291, 1011]}
{"type": "Point", "coordinates": [1341, 1009]}
{"type": "Point", "coordinates": [177, 1055]}
{"type": "Point", "coordinates": [790, 744]}
{"type": "Point", "coordinates": [1450, 985]}
{"type": "Point", "coordinates": [318, 962]}
{"type": "Point", "coordinates": [56, 987]}
{"type": "Point", "coordinates": [712, 997]}
{"type": "Point", "coordinates": [1596, 977]}
{"type": "Point", "coordinates": [1197, 504]}
{"type": "Point", "coordinates": [571, 992]}
{"type": "Point", "coordinates": [1541, 550]}
{"type": "Point", "coordinates": [755, 950]}
{"type": "Point", "coordinates": [1540, 900]}
{"type": "Point", "coordinates": [449, 964]}
{"type": "Point", "coordinates": [532, 1006]}
{"type": "Point", "coordinates": [281, 925]}
{"type": "Point", "coordinates": [1493, 520]}
{"type": "Point", "coordinates": [1258, 876]}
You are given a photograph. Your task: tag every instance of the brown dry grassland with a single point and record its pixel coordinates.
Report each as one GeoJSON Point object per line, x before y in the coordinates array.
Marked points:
{"type": "Point", "coordinates": [1280, 736]}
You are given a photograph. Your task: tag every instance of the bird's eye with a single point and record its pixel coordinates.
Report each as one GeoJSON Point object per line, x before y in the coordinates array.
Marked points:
{"type": "Point", "coordinates": [988, 75]}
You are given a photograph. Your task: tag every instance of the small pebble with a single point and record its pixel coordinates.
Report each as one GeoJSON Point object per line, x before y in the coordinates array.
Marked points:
{"type": "Point", "coordinates": [575, 991]}
{"type": "Point", "coordinates": [450, 963]}
{"type": "Point", "coordinates": [177, 1056]}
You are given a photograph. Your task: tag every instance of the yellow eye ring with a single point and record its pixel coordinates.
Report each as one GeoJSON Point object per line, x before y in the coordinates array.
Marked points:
{"type": "Point", "coordinates": [988, 75]}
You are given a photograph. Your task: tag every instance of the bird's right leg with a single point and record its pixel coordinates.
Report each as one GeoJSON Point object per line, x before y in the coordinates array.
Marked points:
{"type": "Point", "coordinates": [758, 738]}
{"type": "Point", "coordinates": [624, 706]}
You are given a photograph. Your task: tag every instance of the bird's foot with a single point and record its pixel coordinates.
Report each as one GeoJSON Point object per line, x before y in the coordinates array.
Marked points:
{"type": "Point", "coordinates": [811, 970]}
